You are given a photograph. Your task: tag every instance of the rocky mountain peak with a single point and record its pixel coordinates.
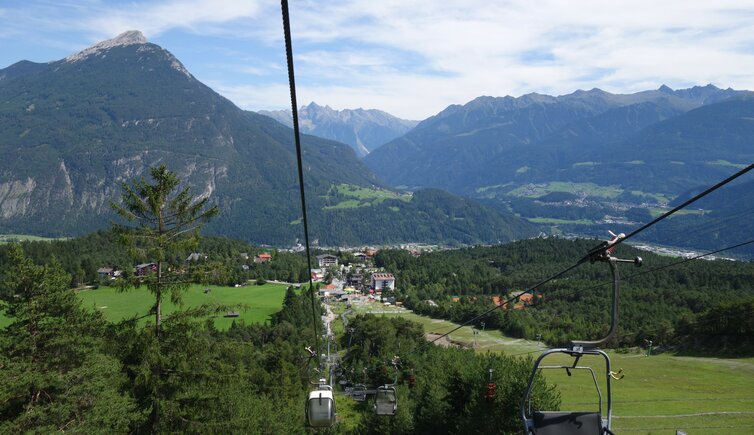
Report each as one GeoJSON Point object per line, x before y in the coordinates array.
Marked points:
{"type": "Point", "coordinates": [130, 37]}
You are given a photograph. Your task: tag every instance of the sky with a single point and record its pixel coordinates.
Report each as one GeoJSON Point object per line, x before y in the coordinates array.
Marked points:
{"type": "Point", "coordinates": [409, 58]}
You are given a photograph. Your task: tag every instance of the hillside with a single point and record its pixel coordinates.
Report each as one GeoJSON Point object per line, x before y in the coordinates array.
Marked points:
{"type": "Point", "coordinates": [491, 141]}
{"type": "Point", "coordinates": [71, 131]}
{"type": "Point", "coordinates": [585, 162]}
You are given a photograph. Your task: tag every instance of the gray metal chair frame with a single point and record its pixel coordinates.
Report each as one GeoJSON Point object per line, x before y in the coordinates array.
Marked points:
{"type": "Point", "coordinates": [579, 423]}
{"type": "Point", "coordinates": [568, 422]}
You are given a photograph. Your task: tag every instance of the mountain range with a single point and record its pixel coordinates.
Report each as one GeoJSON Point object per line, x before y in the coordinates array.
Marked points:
{"type": "Point", "coordinates": [364, 130]}
{"type": "Point", "coordinates": [585, 162]}
{"type": "Point", "coordinates": [537, 138]}
{"type": "Point", "coordinates": [72, 131]}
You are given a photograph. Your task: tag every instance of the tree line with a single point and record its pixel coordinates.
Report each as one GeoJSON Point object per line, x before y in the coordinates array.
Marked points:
{"type": "Point", "coordinates": [64, 368]}
{"type": "Point", "coordinates": [660, 305]}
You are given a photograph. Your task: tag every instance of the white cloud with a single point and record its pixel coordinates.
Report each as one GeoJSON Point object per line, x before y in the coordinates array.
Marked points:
{"type": "Point", "coordinates": [155, 18]}
{"type": "Point", "coordinates": [415, 57]}
{"type": "Point", "coordinates": [480, 48]}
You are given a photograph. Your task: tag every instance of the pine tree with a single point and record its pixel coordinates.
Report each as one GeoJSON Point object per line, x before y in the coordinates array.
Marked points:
{"type": "Point", "coordinates": [165, 226]}
{"type": "Point", "coordinates": [55, 373]}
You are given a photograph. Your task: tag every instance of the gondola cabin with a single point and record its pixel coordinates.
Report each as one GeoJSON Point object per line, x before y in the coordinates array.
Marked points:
{"type": "Point", "coordinates": [385, 400]}
{"type": "Point", "coordinates": [320, 408]}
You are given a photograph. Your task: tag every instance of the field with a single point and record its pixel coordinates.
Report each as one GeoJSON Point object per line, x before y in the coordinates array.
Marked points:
{"type": "Point", "coordinates": [554, 221]}
{"type": "Point", "coordinates": [7, 238]}
{"type": "Point", "coordinates": [363, 196]}
{"type": "Point", "coordinates": [588, 189]}
{"type": "Point", "coordinates": [658, 395]}
{"type": "Point", "coordinates": [261, 301]}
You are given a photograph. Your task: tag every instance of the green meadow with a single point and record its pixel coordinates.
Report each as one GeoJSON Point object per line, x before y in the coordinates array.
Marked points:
{"type": "Point", "coordinates": [260, 302]}
{"type": "Point", "coordinates": [554, 221]}
{"type": "Point", "coordinates": [588, 189]}
{"type": "Point", "coordinates": [7, 238]}
{"type": "Point", "coordinates": [657, 395]}
{"type": "Point", "coordinates": [362, 196]}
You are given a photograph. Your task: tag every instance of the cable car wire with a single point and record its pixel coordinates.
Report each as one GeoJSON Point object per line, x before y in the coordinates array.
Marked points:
{"type": "Point", "coordinates": [603, 247]}
{"type": "Point", "coordinates": [658, 268]}
{"type": "Point", "coordinates": [297, 138]}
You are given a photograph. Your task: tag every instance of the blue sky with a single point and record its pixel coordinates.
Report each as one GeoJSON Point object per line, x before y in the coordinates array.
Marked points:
{"type": "Point", "coordinates": [409, 58]}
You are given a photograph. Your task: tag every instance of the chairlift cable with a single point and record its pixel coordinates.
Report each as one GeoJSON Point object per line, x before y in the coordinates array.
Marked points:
{"type": "Point", "coordinates": [605, 245]}
{"type": "Point", "coordinates": [666, 266]}
{"type": "Point", "coordinates": [602, 247]}
{"type": "Point", "coordinates": [529, 290]}
{"type": "Point", "coordinates": [297, 137]}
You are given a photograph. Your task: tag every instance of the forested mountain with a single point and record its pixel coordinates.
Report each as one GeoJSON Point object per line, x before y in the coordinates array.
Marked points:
{"type": "Point", "coordinates": [534, 138]}
{"type": "Point", "coordinates": [71, 131]}
{"type": "Point", "coordinates": [364, 130]}
{"type": "Point", "coordinates": [589, 161]}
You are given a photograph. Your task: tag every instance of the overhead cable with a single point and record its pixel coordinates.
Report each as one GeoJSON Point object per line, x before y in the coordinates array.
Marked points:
{"type": "Point", "coordinates": [297, 137]}
{"type": "Point", "coordinates": [602, 247]}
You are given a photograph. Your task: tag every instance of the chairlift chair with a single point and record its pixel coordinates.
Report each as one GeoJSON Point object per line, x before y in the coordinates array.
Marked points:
{"type": "Point", "coordinates": [579, 423]}
{"type": "Point", "coordinates": [385, 400]}
{"type": "Point", "coordinates": [359, 392]}
{"type": "Point", "coordinates": [320, 408]}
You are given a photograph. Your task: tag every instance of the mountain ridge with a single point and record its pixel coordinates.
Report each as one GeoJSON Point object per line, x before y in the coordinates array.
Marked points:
{"type": "Point", "coordinates": [72, 131]}
{"type": "Point", "coordinates": [463, 140]}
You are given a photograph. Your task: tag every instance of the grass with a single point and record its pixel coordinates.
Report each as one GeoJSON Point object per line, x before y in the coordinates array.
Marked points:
{"type": "Point", "coordinates": [657, 211]}
{"type": "Point", "coordinates": [667, 392]}
{"type": "Point", "coordinates": [555, 221]}
{"type": "Point", "coordinates": [363, 196]}
{"type": "Point", "coordinates": [261, 301]}
{"type": "Point", "coordinates": [8, 238]}
{"type": "Point", "coordinates": [726, 163]}
{"type": "Point", "coordinates": [588, 189]}
{"type": "Point", "coordinates": [657, 197]}
{"type": "Point", "coordinates": [658, 395]}
{"type": "Point", "coordinates": [488, 340]}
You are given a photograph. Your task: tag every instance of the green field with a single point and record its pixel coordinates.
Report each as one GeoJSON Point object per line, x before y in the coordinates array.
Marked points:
{"type": "Point", "coordinates": [588, 189]}
{"type": "Point", "coordinates": [362, 196]}
{"type": "Point", "coordinates": [261, 301]}
{"type": "Point", "coordinates": [726, 163]}
{"type": "Point", "coordinates": [658, 395]}
{"type": "Point", "coordinates": [555, 221]}
{"type": "Point", "coordinates": [657, 211]}
{"type": "Point", "coordinates": [7, 238]}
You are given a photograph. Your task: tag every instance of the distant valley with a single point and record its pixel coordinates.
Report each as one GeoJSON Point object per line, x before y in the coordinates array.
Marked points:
{"type": "Point", "coordinates": [589, 161]}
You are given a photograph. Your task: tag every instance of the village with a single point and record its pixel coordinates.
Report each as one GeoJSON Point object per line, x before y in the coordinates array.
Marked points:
{"type": "Point", "coordinates": [356, 281]}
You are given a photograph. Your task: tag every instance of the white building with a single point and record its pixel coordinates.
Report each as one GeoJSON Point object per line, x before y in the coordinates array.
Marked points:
{"type": "Point", "coordinates": [327, 260]}
{"type": "Point", "coordinates": [382, 281]}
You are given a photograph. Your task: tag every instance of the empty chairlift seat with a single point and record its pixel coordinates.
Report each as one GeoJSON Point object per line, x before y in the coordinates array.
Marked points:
{"type": "Point", "coordinates": [359, 393]}
{"type": "Point", "coordinates": [385, 401]}
{"type": "Point", "coordinates": [567, 423]}
{"type": "Point", "coordinates": [320, 408]}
